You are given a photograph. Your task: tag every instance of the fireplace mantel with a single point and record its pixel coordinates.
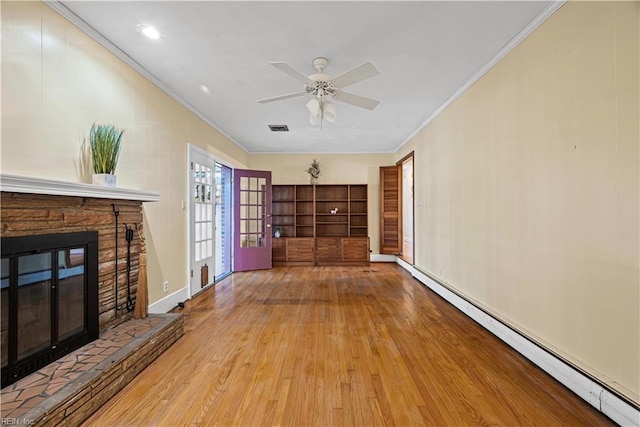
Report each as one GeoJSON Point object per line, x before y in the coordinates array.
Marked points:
{"type": "Point", "coordinates": [23, 184]}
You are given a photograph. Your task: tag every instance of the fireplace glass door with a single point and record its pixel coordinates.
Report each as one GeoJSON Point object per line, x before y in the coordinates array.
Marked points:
{"type": "Point", "coordinates": [34, 303]}
{"type": "Point", "coordinates": [47, 292]}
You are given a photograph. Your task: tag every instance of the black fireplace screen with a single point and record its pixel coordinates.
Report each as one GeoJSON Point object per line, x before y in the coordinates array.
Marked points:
{"type": "Point", "coordinates": [49, 299]}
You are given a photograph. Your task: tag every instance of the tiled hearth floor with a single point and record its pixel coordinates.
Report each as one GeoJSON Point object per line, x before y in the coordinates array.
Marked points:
{"type": "Point", "coordinates": [48, 386]}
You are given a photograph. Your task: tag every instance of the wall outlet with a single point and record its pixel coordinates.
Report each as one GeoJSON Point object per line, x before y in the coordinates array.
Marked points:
{"type": "Point", "coordinates": [165, 286]}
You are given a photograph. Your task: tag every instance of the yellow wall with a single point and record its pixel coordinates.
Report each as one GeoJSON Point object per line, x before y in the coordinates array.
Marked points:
{"type": "Point", "coordinates": [336, 169]}
{"type": "Point", "coordinates": [56, 81]}
{"type": "Point", "coordinates": [530, 187]}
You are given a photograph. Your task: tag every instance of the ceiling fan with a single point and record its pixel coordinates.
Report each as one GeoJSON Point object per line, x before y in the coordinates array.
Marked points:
{"type": "Point", "coordinates": [324, 86]}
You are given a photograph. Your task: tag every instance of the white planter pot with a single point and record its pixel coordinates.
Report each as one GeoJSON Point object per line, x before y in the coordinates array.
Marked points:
{"type": "Point", "coordinates": [105, 179]}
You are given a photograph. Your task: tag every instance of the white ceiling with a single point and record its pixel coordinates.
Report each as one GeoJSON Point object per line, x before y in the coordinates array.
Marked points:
{"type": "Point", "coordinates": [425, 52]}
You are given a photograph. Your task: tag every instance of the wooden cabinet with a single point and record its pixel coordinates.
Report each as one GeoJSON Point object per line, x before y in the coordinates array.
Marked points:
{"type": "Point", "coordinates": [300, 249]}
{"type": "Point", "coordinates": [320, 224]}
{"type": "Point", "coordinates": [342, 250]}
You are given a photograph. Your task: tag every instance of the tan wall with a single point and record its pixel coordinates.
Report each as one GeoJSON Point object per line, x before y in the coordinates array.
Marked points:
{"type": "Point", "coordinates": [336, 169]}
{"type": "Point", "coordinates": [530, 188]}
{"type": "Point", "coordinates": [57, 81]}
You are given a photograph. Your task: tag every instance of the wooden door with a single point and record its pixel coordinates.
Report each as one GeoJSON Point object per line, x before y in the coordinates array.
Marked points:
{"type": "Point", "coordinates": [391, 210]}
{"type": "Point", "coordinates": [252, 214]}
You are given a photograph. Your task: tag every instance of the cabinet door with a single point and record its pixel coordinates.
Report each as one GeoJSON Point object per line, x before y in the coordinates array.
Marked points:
{"type": "Point", "coordinates": [279, 249]}
{"type": "Point", "coordinates": [328, 249]}
{"type": "Point", "coordinates": [300, 249]}
{"type": "Point", "coordinates": [355, 249]}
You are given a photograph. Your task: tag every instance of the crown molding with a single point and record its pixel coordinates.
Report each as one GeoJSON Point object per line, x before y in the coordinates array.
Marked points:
{"type": "Point", "coordinates": [104, 42]}
{"type": "Point", "coordinates": [515, 41]}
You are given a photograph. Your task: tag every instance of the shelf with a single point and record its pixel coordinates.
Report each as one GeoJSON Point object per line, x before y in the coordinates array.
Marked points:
{"type": "Point", "coordinates": [318, 236]}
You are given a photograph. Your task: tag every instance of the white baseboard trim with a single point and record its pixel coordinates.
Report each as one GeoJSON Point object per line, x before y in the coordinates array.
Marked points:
{"type": "Point", "coordinates": [588, 389]}
{"type": "Point", "coordinates": [167, 303]}
{"type": "Point", "coordinates": [404, 264]}
{"type": "Point", "coordinates": [382, 258]}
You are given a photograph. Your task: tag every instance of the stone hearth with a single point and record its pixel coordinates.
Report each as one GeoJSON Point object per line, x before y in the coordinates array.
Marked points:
{"type": "Point", "coordinates": [69, 390]}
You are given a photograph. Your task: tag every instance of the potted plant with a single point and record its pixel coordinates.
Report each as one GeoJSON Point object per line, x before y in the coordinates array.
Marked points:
{"type": "Point", "coordinates": [105, 143]}
{"type": "Point", "coordinates": [314, 171]}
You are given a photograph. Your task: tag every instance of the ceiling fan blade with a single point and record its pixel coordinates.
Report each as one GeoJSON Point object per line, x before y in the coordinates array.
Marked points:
{"type": "Point", "coordinates": [354, 75]}
{"type": "Point", "coordinates": [283, 66]}
{"type": "Point", "coordinates": [281, 97]}
{"type": "Point", "coordinates": [358, 101]}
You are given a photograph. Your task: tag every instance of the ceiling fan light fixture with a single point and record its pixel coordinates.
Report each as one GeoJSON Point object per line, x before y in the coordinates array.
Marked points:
{"type": "Point", "coordinates": [329, 112]}
{"type": "Point", "coordinates": [314, 107]}
{"type": "Point", "coordinates": [314, 120]}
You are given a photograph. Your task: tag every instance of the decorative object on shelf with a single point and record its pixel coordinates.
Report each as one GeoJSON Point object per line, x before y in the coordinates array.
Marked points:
{"type": "Point", "coordinates": [334, 211]}
{"type": "Point", "coordinates": [276, 232]}
{"type": "Point", "coordinates": [314, 171]}
{"type": "Point", "coordinates": [105, 142]}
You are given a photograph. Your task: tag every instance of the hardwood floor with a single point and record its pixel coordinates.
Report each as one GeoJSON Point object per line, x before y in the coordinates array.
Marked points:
{"type": "Point", "coordinates": [369, 346]}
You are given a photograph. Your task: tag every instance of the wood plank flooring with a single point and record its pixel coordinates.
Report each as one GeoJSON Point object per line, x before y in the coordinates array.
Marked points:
{"type": "Point", "coordinates": [303, 346]}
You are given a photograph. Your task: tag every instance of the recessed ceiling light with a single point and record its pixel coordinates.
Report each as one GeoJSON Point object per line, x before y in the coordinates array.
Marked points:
{"type": "Point", "coordinates": [150, 32]}
{"type": "Point", "coordinates": [205, 89]}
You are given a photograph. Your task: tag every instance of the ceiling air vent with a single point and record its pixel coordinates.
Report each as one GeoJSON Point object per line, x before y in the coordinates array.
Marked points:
{"type": "Point", "coordinates": [279, 128]}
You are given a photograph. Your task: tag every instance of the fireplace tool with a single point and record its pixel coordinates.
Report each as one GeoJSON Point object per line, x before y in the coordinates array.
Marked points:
{"type": "Point", "coordinates": [116, 212]}
{"type": "Point", "coordinates": [128, 235]}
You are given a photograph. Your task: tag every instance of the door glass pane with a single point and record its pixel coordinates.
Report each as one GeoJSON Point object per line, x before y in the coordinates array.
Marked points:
{"type": "Point", "coordinates": [71, 298]}
{"type": "Point", "coordinates": [253, 198]}
{"type": "Point", "coordinates": [253, 184]}
{"type": "Point", "coordinates": [222, 230]}
{"type": "Point", "coordinates": [34, 303]}
{"type": "Point", "coordinates": [4, 311]}
{"type": "Point", "coordinates": [244, 183]}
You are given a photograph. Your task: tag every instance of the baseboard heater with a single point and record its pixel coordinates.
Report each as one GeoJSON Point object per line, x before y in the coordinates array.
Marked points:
{"type": "Point", "coordinates": [599, 395]}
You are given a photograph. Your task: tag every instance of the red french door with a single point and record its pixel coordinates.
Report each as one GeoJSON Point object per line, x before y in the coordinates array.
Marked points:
{"type": "Point", "coordinates": [252, 214]}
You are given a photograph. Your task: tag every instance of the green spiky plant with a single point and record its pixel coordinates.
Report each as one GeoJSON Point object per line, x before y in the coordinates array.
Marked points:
{"type": "Point", "coordinates": [105, 142]}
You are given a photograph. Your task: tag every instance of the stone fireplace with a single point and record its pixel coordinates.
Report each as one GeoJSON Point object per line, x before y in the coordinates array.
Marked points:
{"type": "Point", "coordinates": [64, 253]}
